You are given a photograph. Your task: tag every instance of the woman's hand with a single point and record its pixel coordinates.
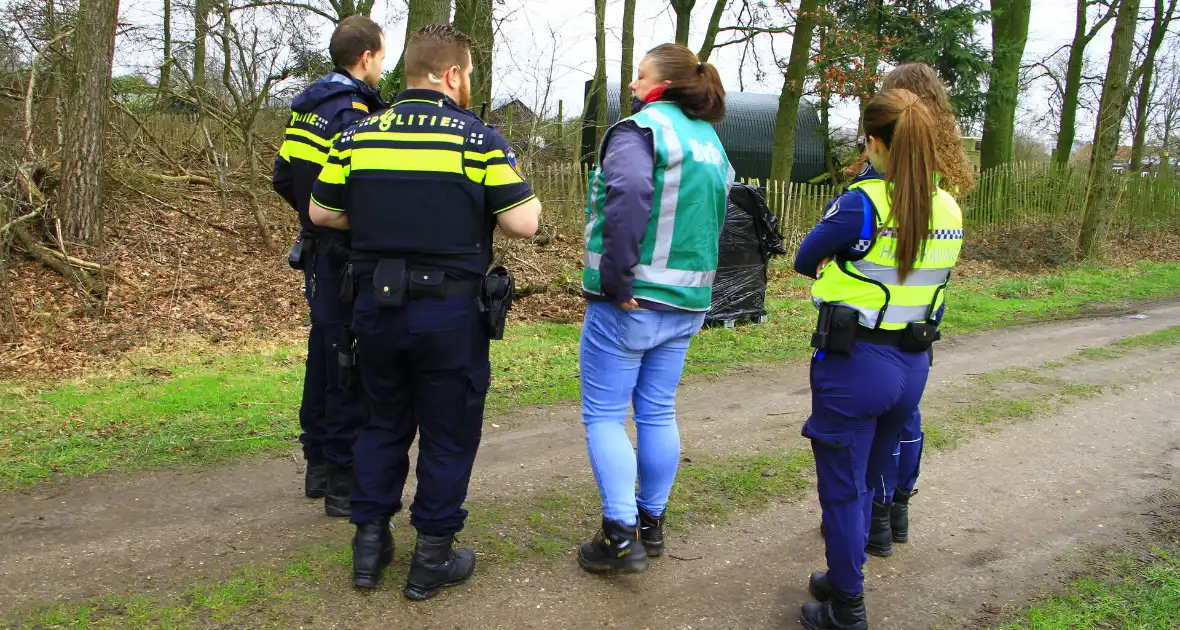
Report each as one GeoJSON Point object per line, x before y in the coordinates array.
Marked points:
{"type": "Point", "coordinates": [820, 269]}
{"type": "Point", "coordinates": [629, 305]}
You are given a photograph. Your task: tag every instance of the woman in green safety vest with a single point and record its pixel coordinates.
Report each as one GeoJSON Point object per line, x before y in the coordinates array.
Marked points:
{"type": "Point", "coordinates": [655, 210]}
{"type": "Point", "coordinates": [887, 247]}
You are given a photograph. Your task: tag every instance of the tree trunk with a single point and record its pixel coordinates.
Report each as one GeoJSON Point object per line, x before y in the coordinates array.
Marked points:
{"type": "Point", "coordinates": [872, 57]}
{"type": "Point", "coordinates": [201, 34]}
{"type": "Point", "coordinates": [598, 87]}
{"type": "Point", "coordinates": [166, 68]}
{"type": "Point", "coordinates": [1073, 86]}
{"type": "Point", "coordinates": [1106, 134]}
{"type": "Point", "coordinates": [422, 12]}
{"type": "Point", "coordinates": [683, 10]}
{"type": "Point", "coordinates": [474, 17]}
{"type": "Point", "coordinates": [712, 30]}
{"type": "Point", "coordinates": [1009, 36]}
{"type": "Point", "coordinates": [1159, 27]}
{"type": "Point", "coordinates": [626, 69]}
{"type": "Point", "coordinates": [783, 156]}
{"type": "Point", "coordinates": [80, 203]}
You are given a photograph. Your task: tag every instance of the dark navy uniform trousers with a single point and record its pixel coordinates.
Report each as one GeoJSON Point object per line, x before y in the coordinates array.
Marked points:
{"type": "Point", "coordinates": [860, 403]}
{"type": "Point", "coordinates": [425, 369]}
{"type": "Point", "coordinates": [329, 417]}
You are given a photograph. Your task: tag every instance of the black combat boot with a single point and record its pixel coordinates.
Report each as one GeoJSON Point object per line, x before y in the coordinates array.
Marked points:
{"type": "Point", "coordinates": [651, 533]}
{"type": "Point", "coordinates": [616, 548]}
{"type": "Point", "coordinates": [880, 539]}
{"type": "Point", "coordinates": [372, 551]}
{"type": "Point", "coordinates": [899, 515]}
{"type": "Point", "coordinates": [436, 565]}
{"type": "Point", "coordinates": [339, 486]}
{"type": "Point", "coordinates": [315, 479]}
{"type": "Point", "coordinates": [821, 591]}
{"type": "Point", "coordinates": [839, 612]}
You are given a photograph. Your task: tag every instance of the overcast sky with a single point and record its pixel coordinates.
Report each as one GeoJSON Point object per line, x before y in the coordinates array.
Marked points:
{"type": "Point", "coordinates": [539, 35]}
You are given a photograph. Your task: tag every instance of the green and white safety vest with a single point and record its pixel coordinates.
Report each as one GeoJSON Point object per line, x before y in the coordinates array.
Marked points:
{"type": "Point", "coordinates": [871, 285]}
{"type": "Point", "coordinates": [678, 255]}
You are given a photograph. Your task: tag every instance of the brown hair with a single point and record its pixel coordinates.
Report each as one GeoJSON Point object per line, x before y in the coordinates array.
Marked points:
{"type": "Point", "coordinates": [951, 161]}
{"type": "Point", "coordinates": [353, 36]}
{"type": "Point", "coordinates": [434, 48]}
{"type": "Point", "coordinates": [696, 87]}
{"type": "Point", "coordinates": [900, 120]}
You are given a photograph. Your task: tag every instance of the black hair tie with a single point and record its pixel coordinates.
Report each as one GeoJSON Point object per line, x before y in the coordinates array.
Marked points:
{"type": "Point", "coordinates": [700, 68]}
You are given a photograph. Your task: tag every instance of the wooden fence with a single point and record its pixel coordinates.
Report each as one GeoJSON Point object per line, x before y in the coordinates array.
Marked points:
{"type": "Point", "coordinates": [1003, 199]}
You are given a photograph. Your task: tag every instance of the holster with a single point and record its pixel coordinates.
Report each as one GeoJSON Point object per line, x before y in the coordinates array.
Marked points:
{"type": "Point", "coordinates": [348, 285]}
{"type": "Point", "coordinates": [835, 329]}
{"type": "Point", "coordinates": [346, 362]}
{"type": "Point", "coordinates": [495, 300]}
{"type": "Point", "coordinates": [301, 250]}
{"type": "Point", "coordinates": [919, 337]}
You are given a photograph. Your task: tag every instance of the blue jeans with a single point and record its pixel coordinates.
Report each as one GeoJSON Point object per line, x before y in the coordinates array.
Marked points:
{"type": "Point", "coordinates": [633, 357]}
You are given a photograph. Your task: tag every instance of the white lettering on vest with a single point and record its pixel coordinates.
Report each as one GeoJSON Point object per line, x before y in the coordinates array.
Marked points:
{"type": "Point", "coordinates": [705, 153]}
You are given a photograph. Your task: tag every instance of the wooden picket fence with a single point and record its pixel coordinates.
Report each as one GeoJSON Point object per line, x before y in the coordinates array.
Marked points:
{"type": "Point", "coordinates": [1003, 199]}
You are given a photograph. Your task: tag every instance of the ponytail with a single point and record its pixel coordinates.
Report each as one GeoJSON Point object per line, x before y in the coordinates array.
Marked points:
{"type": "Point", "coordinates": [695, 86]}
{"type": "Point", "coordinates": [904, 124]}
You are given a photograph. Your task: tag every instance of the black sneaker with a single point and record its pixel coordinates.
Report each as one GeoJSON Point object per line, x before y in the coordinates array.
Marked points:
{"type": "Point", "coordinates": [651, 533]}
{"type": "Point", "coordinates": [315, 479]}
{"type": "Point", "coordinates": [616, 549]}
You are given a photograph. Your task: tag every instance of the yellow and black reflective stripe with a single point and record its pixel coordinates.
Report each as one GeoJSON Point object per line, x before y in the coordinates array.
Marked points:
{"type": "Point", "coordinates": [304, 145]}
{"type": "Point", "coordinates": [337, 167]}
{"type": "Point", "coordinates": [492, 168]}
{"type": "Point", "coordinates": [516, 205]}
{"type": "Point", "coordinates": [411, 160]}
{"type": "Point", "coordinates": [393, 139]}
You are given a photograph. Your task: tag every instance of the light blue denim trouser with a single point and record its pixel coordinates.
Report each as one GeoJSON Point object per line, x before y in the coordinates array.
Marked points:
{"type": "Point", "coordinates": [633, 356]}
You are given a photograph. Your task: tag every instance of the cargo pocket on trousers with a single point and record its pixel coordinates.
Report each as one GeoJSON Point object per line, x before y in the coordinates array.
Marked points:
{"type": "Point", "coordinates": [479, 380]}
{"type": "Point", "coordinates": [836, 471]}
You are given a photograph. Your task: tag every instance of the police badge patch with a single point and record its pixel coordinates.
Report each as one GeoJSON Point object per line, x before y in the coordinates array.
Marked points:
{"type": "Point", "coordinates": [832, 209]}
{"type": "Point", "coordinates": [511, 155]}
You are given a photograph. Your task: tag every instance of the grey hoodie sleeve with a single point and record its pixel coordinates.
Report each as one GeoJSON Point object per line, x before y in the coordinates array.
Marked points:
{"type": "Point", "coordinates": [628, 169]}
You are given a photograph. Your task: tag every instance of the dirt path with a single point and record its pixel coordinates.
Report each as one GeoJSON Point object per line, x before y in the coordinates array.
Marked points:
{"type": "Point", "coordinates": [115, 535]}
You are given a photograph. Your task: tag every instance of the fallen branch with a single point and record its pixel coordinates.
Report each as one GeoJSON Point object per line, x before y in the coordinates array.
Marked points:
{"type": "Point", "coordinates": [182, 212]}
{"type": "Point", "coordinates": [187, 179]}
{"type": "Point", "coordinates": [194, 287]}
{"type": "Point", "coordinates": [20, 355]}
{"type": "Point", "coordinates": [13, 223]}
{"type": "Point", "coordinates": [53, 260]}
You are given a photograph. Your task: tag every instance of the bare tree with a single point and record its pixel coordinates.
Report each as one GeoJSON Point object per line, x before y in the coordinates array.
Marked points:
{"type": "Point", "coordinates": [80, 204]}
{"type": "Point", "coordinates": [1009, 36]}
{"type": "Point", "coordinates": [1082, 35]}
{"type": "Point", "coordinates": [783, 157]}
{"type": "Point", "coordinates": [474, 17]}
{"type": "Point", "coordinates": [200, 39]}
{"type": "Point", "coordinates": [1159, 27]}
{"type": "Point", "coordinates": [625, 69]}
{"type": "Point", "coordinates": [166, 66]}
{"type": "Point", "coordinates": [422, 12]}
{"type": "Point", "coordinates": [712, 30]}
{"type": "Point", "coordinates": [1106, 134]}
{"type": "Point", "coordinates": [683, 11]}
{"type": "Point", "coordinates": [598, 87]}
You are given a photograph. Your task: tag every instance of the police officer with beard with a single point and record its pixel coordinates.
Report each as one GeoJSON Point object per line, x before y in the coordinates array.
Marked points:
{"type": "Point", "coordinates": [422, 187]}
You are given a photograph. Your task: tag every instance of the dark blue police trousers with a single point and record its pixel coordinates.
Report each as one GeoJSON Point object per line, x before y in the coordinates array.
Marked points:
{"type": "Point", "coordinates": [859, 404]}
{"type": "Point", "coordinates": [329, 417]}
{"type": "Point", "coordinates": [424, 368]}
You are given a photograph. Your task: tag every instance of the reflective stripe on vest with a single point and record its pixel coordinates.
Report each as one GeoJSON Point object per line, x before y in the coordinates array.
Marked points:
{"type": "Point", "coordinates": [657, 275]}
{"type": "Point", "coordinates": [872, 285]}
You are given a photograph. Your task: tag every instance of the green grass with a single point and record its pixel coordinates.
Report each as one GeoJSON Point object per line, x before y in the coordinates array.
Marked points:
{"type": "Point", "coordinates": [182, 409]}
{"type": "Point", "coordinates": [1145, 595]}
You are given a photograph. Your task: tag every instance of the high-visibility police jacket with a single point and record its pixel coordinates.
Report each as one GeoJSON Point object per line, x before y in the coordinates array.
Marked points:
{"type": "Point", "coordinates": [318, 114]}
{"type": "Point", "coordinates": [678, 254]}
{"type": "Point", "coordinates": [871, 285]}
{"type": "Point", "coordinates": [423, 181]}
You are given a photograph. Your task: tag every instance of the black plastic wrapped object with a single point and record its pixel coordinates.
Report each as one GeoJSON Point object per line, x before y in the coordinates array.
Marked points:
{"type": "Point", "coordinates": [748, 241]}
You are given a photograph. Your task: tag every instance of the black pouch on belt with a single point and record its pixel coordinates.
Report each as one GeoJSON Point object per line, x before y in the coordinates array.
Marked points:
{"type": "Point", "coordinates": [428, 284]}
{"type": "Point", "coordinates": [835, 330]}
{"type": "Point", "coordinates": [295, 256]}
{"type": "Point", "coordinates": [390, 283]}
{"type": "Point", "coordinates": [919, 337]}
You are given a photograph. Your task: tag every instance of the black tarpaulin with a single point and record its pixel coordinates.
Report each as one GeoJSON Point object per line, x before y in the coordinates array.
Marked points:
{"type": "Point", "coordinates": [748, 241]}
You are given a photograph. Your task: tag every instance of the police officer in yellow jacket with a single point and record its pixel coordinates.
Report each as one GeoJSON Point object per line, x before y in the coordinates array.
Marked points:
{"type": "Point", "coordinates": [422, 187]}
{"type": "Point", "coordinates": [883, 280]}
{"type": "Point", "coordinates": [329, 415]}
